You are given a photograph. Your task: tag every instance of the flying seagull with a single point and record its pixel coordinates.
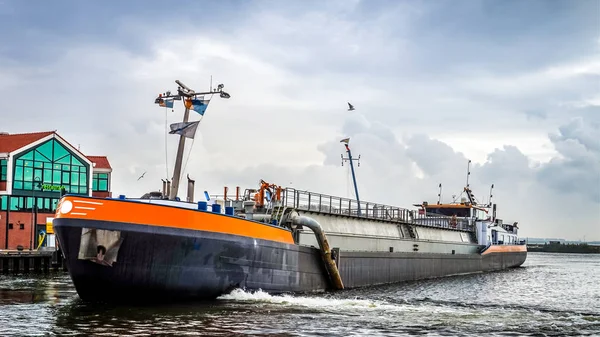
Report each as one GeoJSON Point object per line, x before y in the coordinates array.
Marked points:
{"type": "Point", "coordinates": [142, 176]}
{"type": "Point", "coordinates": [350, 107]}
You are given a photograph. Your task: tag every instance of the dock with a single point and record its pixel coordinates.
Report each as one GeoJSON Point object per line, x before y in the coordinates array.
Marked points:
{"type": "Point", "coordinates": [34, 261]}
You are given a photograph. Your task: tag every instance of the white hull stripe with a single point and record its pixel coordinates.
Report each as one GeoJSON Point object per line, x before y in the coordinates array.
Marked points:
{"type": "Point", "coordinates": [87, 202]}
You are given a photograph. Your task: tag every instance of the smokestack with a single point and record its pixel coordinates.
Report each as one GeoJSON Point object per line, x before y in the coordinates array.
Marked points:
{"type": "Point", "coordinates": [168, 190]}
{"type": "Point", "coordinates": [190, 189]}
{"type": "Point", "coordinates": [164, 189]}
{"type": "Point", "coordinates": [237, 193]}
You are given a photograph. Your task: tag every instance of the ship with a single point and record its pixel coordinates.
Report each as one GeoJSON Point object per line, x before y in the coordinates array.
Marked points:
{"type": "Point", "coordinates": [272, 238]}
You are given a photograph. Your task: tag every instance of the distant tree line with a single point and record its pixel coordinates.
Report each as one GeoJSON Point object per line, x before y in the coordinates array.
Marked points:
{"type": "Point", "coordinates": [556, 247]}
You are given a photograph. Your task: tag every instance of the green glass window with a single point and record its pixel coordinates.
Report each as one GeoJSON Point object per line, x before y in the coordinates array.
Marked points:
{"type": "Point", "coordinates": [3, 202]}
{"type": "Point", "coordinates": [50, 166]}
{"type": "Point", "coordinates": [3, 169]}
{"type": "Point", "coordinates": [100, 182]}
{"type": "Point", "coordinates": [25, 204]}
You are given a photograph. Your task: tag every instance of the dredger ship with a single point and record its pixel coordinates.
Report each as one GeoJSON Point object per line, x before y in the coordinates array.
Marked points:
{"type": "Point", "coordinates": [272, 238]}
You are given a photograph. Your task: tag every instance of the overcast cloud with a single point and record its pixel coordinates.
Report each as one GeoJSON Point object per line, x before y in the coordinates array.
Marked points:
{"type": "Point", "coordinates": [512, 85]}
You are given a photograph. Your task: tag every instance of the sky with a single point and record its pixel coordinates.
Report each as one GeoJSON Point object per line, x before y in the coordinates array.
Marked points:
{"type": "Point", "coordinates": [513, 86]}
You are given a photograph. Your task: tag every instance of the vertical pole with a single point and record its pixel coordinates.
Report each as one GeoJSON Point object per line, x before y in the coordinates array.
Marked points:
{"type": "Point", "coordinates": [7, 218]}
{"type": "Point", "coordinates": [353, 177]}
{"type": "Point", "coordinates": [178, 159]}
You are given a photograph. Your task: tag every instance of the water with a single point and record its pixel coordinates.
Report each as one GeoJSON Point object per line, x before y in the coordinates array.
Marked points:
{"type": "Point", "coordinates": [551, 295]}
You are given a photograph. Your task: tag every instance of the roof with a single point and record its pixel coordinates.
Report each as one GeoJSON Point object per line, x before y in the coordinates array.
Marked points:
{"type": "Point", "coordinates": [100, 162]}
{"type": "Point", "coordinates": [11, 142]}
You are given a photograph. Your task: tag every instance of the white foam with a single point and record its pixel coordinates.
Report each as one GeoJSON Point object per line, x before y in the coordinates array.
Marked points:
{"type": "Point", "coordinates": [310, 302]}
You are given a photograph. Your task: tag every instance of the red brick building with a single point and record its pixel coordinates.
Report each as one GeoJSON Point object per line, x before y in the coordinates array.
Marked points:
{"type": "Point", "coordinates": [34, 169]}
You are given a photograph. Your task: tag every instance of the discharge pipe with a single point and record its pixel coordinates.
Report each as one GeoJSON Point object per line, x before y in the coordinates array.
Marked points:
{"type": "Point", "coordinates": [334, 274]}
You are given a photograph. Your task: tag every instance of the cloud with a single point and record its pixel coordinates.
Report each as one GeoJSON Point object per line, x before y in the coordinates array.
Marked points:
{"type": "Point", "coordinates": [432, 87]}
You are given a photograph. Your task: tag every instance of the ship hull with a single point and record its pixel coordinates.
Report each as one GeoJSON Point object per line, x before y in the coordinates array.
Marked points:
{"type": "Point", "coordinates": [359, 269]}
{"type": "Point", "coordinates": [155, 263]}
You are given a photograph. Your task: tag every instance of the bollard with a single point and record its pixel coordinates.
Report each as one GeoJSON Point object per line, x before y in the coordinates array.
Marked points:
{"type": "Point", "coordinates": [202, 206]}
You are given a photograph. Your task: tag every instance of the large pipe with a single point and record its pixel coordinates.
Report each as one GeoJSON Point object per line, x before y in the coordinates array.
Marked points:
{"type": "Point", "coordinates": [334, 274]}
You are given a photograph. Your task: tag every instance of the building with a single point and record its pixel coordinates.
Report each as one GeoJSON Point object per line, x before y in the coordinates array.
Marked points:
{"type": "Point", "coordinates": [35, 168]}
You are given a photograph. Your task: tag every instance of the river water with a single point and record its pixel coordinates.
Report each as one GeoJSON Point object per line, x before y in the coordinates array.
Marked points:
{"type": "Point", "coordinates": [550, 295]}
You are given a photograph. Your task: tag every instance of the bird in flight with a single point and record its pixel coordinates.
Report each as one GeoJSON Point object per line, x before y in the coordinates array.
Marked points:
{"type": "Point", "coordinates": [350, 107]}
{"type": "Point", "coordinates": [142, 176]}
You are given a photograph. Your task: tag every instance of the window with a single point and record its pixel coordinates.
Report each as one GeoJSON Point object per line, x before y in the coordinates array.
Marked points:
{"type": "Point", "coordinates": [100, 182]}
{"type": "Point", "coordinates": [50, 167]}
{"type": "Point", "coordinates": [3, 169]}
{"type": "Point", "coordinates": [25, 204]}
{"type": "Point", "coordinates": [449, 211]}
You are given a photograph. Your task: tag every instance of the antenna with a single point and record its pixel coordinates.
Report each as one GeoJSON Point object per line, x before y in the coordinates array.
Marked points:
{"type": "Point", "coordinates": [490, 202]}
{"type": "Point", "coordinates": [440, 194]}
{"type": "Point", "coordinates": [468, 172]}
{"type": "Point", "coordinates": [350, 159]}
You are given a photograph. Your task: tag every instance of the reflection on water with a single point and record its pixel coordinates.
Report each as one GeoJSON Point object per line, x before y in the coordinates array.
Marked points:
{"type": "Point", "coordinates": [552, 295]}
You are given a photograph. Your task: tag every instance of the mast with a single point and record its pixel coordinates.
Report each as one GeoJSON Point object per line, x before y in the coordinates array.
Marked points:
{"type": "Point", "coordinates": [350, 159]}
{"type": "Point", "coordinates": [178, 160]}
{"type": "Point", "coordinates": [186, 93]}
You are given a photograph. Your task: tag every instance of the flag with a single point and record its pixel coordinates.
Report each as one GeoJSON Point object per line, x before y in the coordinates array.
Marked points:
{"type": "Point", "coordinates": [166, 103]}
{"type": "Point", "coordinates": [185, 129]}
{"type": "Point", "coordinates": [345, 140]}
{"type": "Point", "coordinates": [198, 105]}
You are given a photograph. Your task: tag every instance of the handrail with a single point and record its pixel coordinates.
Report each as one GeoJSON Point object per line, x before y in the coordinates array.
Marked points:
{"type": "Point", "coordinates": [328, 204]}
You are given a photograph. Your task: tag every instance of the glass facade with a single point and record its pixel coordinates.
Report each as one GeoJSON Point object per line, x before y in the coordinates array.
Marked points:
{"type": "Point", "coordinates": [48, 168]}
{"type": "Point", "coordinates": [25, 204]}
{"type": "Point", "coordinates": [100, 182]}
{"type": "Point", "coordinates": [3, 169]}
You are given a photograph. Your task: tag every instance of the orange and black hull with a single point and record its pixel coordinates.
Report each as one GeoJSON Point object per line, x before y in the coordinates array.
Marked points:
{"type": "Point", "coordinates": [155, 262]}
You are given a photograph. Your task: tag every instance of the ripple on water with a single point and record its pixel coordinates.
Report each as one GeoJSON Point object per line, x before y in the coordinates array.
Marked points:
{"type": "Point", "coordinates": [553, 295]}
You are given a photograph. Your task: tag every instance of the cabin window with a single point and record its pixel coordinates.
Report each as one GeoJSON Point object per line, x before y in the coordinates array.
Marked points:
{"type": "Point", "coordinates": [449, 211]}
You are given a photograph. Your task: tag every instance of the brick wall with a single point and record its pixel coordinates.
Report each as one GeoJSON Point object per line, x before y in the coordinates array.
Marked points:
{"type": "Point", "coordinates": [98, 194]}
{"type": "Point", "coordinates": [16, 235]}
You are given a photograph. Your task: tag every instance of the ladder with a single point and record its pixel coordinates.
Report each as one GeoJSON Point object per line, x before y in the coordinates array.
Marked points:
{"type": "Point", "coordinates": [277, 213]}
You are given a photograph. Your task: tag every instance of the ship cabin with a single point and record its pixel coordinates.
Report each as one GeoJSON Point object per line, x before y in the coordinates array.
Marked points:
{"type": "Point", "coordinates": [464, 210]}
{"type": "Point", "coordinates": [503, 234]}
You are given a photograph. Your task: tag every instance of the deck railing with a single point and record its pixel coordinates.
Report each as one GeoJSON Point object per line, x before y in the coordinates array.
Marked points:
{"type": "Point", "coordinates": [322, 203]}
